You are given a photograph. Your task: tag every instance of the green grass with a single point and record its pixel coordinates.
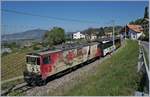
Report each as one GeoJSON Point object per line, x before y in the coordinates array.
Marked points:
{"type": "Point", "coordinates": [16, 93]}
{"type": "Point", "coordinates": [13, 64]}
{"type": "Point", "coordinates": [115, 76]}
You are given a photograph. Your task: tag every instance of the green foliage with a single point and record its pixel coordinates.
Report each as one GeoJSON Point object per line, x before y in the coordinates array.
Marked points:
{"type": "Point", "coordinates": [101, 32]}
{"type": "Point", "coordinates": [16, 93]}
{"type": "Point", "coordinates": [68, 38]}
{"type": "Point", "coordinates": [145, 37]}
{"type": "Point", "coordinates": [55, 36]}
{"type": "Point", "coordinates": [11, 45]}
{"type": "Point", "coordinates": [146, 14]}
{"type": "Point", "coordinates": [110, 29]}
{"type": "Point", "coordinates": [137, 21]}
{"type": "Point", "coordinates": [36, 48]}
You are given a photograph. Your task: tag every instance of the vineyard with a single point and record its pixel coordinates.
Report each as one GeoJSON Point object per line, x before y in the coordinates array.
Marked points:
{"type": "Point", "coordinates": [13, 64]}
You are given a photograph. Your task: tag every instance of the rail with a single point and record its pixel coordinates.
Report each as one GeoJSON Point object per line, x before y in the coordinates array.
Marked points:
{"type": "Point", "coordinates": [11, 79]}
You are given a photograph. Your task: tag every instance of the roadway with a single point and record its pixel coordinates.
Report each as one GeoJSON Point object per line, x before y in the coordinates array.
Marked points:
{"type": "Point", "coordinates": [146, 47]}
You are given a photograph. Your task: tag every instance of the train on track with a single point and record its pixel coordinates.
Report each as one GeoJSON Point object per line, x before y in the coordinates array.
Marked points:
{"type": "Point", "coordinates": [45, 63]}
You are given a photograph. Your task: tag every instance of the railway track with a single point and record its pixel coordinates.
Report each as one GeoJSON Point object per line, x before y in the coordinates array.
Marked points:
{"type": "Point", "coordinates": [22, 87]}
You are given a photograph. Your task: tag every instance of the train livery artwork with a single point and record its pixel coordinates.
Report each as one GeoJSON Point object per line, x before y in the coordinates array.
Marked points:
{"type": "Point", "coordinates": [42, 64]}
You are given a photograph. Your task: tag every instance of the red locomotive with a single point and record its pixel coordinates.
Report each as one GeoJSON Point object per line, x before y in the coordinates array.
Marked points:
{"type": "Point", "coordinates": [41, 65]}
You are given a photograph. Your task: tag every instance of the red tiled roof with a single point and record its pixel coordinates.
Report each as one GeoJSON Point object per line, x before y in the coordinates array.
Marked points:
{"type": "Point", "coordinates": [136, 28]}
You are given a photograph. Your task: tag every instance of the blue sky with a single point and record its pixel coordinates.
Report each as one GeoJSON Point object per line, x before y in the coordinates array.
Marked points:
{"type": "Point", "coordinates": [100, 13]}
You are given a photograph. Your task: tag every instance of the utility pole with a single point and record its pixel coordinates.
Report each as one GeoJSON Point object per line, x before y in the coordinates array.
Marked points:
{"type": "Point", "coordinates": [125, 32]}
{"type": "Point", "coordinates": [113, 22]}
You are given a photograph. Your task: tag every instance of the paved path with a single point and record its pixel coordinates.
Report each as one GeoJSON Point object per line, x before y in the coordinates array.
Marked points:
{"type": "Point", "coordinates": [146, 46]}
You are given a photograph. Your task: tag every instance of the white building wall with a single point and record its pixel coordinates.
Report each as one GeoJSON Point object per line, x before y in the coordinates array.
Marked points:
{"type": "Point", "coordinates": [93, 37]}
{"type": "Point", "coordinates": [134, 35]}
{"type": "Point", "coordinates": [139, 34]}
{"type": "Point", "coordinates": [78, 35]}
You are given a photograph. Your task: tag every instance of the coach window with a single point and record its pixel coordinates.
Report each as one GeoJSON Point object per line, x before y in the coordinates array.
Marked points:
{"type": "Point", "coordinates": [46, 60]}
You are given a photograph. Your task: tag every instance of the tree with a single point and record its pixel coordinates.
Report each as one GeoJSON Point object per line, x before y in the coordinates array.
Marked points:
{"type": "Point", "coordinates": [55, 36]}
{"type": "Point", "coordinates": [146, 16]}
{"type": "Point", "coordinates": [137, 21]}
{"type": "Point", "coordinates": [11, 45]}
{"type": "Point", "coordinates": [101, 32]}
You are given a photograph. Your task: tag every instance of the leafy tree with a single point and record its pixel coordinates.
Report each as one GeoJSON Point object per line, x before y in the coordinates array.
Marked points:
{"type": "Point", "coordinates": [68, 37]}
{"type": "Point", "coordinates": [101, 32]}
{"type": "Point", "coordinates": [11, 45]}
{"type": "Point", "coordinates": [55, 36]}
{"type": "Point", "coordinates": [146, 13]}
{"type": "Point", "coordinates": [137, 21]}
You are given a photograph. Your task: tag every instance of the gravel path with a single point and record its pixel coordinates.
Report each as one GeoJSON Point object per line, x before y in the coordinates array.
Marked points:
{"type": "Point", "coordinates": [61, 85]}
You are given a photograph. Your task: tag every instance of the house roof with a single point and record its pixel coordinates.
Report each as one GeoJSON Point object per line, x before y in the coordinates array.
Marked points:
{"type": "Point", "coordinates": [136, 28]}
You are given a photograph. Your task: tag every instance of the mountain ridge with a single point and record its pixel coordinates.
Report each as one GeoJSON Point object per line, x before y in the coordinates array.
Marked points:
{"type": "Point", "coordinates": [29, 34]}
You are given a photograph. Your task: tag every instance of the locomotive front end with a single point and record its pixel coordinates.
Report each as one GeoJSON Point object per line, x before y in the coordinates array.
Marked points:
{"type": "Point", "coordinates": [32, 74]}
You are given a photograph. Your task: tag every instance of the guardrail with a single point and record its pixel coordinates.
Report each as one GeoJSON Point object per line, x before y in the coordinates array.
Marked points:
{"type": "Point", "coordinates": [145, 64]}
{"type": "Point", "coordinates": [143, 68]}
{"type": "Point", "coordinates": [142, 57]}
{"type": "Point", "coordinates": [142, 60]}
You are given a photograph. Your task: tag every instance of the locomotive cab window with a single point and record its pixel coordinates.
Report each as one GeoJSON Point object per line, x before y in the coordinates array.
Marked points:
{"type": "Point", "coordinates": [33, 60]}
{"type": "Point", "coordinates": [46, 60]}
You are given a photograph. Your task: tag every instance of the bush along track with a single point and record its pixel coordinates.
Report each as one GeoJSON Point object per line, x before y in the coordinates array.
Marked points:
{"type": "Point", "coordinates": [115, 76]}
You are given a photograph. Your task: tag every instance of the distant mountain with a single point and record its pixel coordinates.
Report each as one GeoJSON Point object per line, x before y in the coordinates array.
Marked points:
{"type": "Point", "coordinates": [30, 34]}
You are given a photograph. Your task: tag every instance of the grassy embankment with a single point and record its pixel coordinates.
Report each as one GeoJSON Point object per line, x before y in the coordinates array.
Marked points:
{"type": "Point", "coordinates": [115, 76]}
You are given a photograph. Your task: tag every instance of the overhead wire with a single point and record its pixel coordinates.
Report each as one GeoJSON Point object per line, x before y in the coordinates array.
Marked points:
{"type": "Point", "coordinates": [48, 17]}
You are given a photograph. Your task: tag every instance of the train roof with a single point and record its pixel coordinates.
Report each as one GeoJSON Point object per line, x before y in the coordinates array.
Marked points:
{"type": "Point", "coordinates": [103, 40]}
{"type": "Point", "coordinates": [69, 46]}
{"type": "Point", "coordinates": [59, 48]}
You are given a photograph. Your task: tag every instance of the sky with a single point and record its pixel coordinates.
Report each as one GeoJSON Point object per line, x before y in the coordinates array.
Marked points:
{"type": "Point", "coordinates": [86, 13]}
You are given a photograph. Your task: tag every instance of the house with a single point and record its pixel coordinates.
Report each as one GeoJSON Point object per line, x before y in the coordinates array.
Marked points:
{"type": "Point", "coordinates": [108, 34]}
{"type": "Point", "coordinates": [78, 35]}
{"type": "Point", "coordinates": [132, 31]}
{"type": "Point", "coordinates": [90, 37]}
{"type": "Point", "coordinates": [93, 37]}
